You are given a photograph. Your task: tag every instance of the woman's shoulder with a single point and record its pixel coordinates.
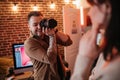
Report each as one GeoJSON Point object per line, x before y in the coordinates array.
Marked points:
{"type": "Point", "coordinates": [111, 72]}
{"type": "Point", "coordinates": [115, 64]}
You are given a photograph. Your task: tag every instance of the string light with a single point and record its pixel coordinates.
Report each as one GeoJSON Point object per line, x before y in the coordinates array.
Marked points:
{"type": "Point", "coordinates": [15, 7]}
{"type": "Point", "coordinates": [35, 8]}
{"type": "Point", "coordinates": [52, 5]}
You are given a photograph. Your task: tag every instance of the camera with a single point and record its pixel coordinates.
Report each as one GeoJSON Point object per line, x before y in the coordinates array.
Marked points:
{"type": "Point", "coordinates": [48, 23]}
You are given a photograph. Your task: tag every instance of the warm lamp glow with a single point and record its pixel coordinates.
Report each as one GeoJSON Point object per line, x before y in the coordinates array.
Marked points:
{"type": "Point", "coordinates": [77, 3]}
{"type": "Point", "coordinates": [81, 15]}
{"type": "Point", "coordinates": [15, 7]}
{"type": "Point", "coordinates": [35, 8]}
{"type": "Point", "coordinates": [82, 3]}
{"type": "Point", "coordinates": [67, 1]}
{"type": "Point", "coordinates": [52, 5]}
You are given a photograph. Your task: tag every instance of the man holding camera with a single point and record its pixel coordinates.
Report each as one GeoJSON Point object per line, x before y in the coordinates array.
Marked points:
{"type": "Point", "coordinates": [41, 46]}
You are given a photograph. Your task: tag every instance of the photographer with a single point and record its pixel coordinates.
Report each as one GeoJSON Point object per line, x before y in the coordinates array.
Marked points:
{"type": "Point", "coordinates": [41, 47]}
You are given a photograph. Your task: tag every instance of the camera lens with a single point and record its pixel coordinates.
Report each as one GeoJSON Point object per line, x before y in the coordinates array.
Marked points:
{"type": "Point", "coordinates": [52, 23]}
{"type": "Point", "coordinates": [48, 23]}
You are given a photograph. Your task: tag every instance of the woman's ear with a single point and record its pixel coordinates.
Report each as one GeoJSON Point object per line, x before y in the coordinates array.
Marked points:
{"type": "Point", "coordinates": [114, 51]}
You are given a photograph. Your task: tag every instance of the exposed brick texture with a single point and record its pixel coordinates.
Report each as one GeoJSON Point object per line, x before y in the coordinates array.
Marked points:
{"type": "Point", "coordinates": [13, 25]}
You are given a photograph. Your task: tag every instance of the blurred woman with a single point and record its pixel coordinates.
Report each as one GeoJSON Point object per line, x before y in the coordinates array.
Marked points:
{"type": "Point", "coordinates": [105, 18]}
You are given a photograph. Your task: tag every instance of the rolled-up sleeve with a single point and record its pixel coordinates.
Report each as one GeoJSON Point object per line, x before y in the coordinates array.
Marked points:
{"type": "Point", "coordinates": [68, 42]}
{"type": "Point", "coordinates": [36, 51]}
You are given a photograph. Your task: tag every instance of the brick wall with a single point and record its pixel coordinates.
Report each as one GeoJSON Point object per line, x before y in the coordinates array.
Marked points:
{"type": "Point", "coordinates": [13, 25]}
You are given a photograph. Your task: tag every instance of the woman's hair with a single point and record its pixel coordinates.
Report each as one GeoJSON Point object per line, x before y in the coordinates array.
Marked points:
{"type": "Point", "coordinates": [112, 33]}
{"type": "Point", "coordinates": [91, 2]}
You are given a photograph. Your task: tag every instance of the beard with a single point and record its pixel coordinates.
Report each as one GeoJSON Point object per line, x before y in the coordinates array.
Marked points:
{"type": "Point", "coordinates": [37, 33]}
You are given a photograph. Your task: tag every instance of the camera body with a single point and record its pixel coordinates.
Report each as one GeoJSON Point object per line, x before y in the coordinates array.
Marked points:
{"type": "Point", "coordinates": [48, 23]}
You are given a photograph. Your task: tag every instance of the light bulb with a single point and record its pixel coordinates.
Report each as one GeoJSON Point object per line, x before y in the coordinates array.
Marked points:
{"type": "Point", "coordinates": [15, 7]}
{"type": "Point", "coordinates": [52, 5]}
{"type": "Point", "coordinates": [35, 8]}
